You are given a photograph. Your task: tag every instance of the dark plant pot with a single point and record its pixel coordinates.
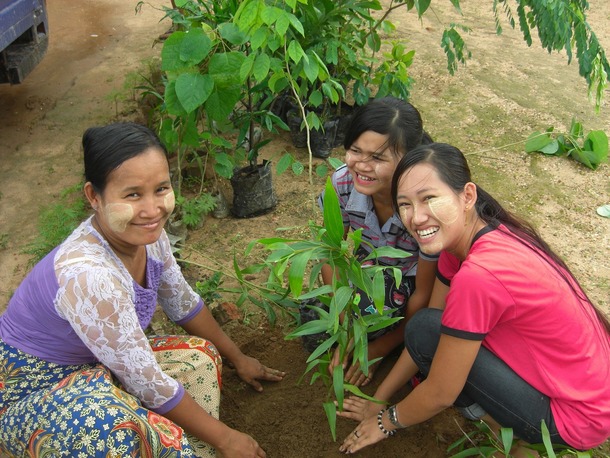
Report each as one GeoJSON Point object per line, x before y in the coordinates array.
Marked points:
{"type": "Point", "coordinates": [281, 105]}
{"type": "Point", "coordinates": [298, 136]}
{"type": "Point", "coordinates": [345, 118]}
{"type": "Point", "coordinates": [253, 193]}
{"type": "Point", "coordinates": [322, 142]}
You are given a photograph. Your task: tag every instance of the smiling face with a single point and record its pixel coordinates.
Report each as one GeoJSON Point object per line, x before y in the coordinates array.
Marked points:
{"type": "Point", "coordinates": [136, 202]}
{"type": "Point", "coordinates": [372, 164]}
{"type": "Point", "coordinates": [432, 212]}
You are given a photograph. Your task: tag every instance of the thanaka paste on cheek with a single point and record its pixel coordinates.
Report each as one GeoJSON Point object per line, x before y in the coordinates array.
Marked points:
{"type": "Point", "coordinates": [402, 212]}
{"type": "Point", "coordinates": [118, 216]}
{"type": "Point", "coordinates": [170, 202]}
{"type": "Point", "coordinates": [443, 209]}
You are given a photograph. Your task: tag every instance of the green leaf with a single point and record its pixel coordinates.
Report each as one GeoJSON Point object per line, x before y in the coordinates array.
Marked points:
{"type": "Point", "coordinates": [507, 439]}
{"type": "Point", "coordinates": [379, 291]}
{"type": "Point", "coordinates": [221, 102]}
{"type": "Point", "coordinates": [323, 347]}
{"type": "Point", "coordinates": [258, 39]}
{"type": "Point", "coordinates": [296, 24]}
{"type": "Point", "coordinates": [246, 67]}
{"type": "Point", "coordinates": [326, 289]}
{"type": "Point", "coordinates": [225, 69]}
{"type": "Point", "coordinates": [295, 52]}
{"type": "Point", "coordinates": [261, 67]}
{"type": "Point", "coordinates": [297, 271]}
{"type": "Point", "coordinates": [333, 220]}
{"type": "Point", "coordinates": [598, 142]}
{"type": "Point", "coordinates": [338, 384]}
{"type": "Point", "coordinates": [230, 32]}
{"type": "Point", "coordinates": [331, 416]}
{"type": "Point", "coordinates": [282, 165]}
{"type": "Point", "coordinates": [334, 162]}
{"type": "Point", "coordinates": [421, 6]}
{"type": "Point", "coordinates": [195, 47]}
{"type": "Point", "coordinates": [311, 327]}
{"type": "Point", "coordinates": [321, 170]}
{"type": "Point", "coordinates": [193, 89]}
{"type": "Point", "coordinates": [582, 156]}
{"type": "Point", "coordinates": [170, 54]}
{"type": "Point", "coordinates": [311, 69]}
{"type": "Point", "coordinates": [281, 25]}
{"type": "Point", "coordinates": [387, 252]}
{"type": "Point", "coordinates": [223, 165]}
{"type": "Point", "coordinates": [552, 148]}
{"type": "Point", "coordinates": [358, 392]}
{"type": "Point", "coordinates": [536, 141]}
{"type": "Point", "coordinates": [297, 168]}
{"type": "Point", "coordinates": [316, 98]}
{"type": "Point", "coordinates": [174, 107]}
{"type": "Point", "coordinates": [546, 439]}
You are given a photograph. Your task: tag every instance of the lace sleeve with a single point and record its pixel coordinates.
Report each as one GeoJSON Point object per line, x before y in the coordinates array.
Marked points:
{"type": "Point", "coordinates": [176, 296]}
{"type": "Point", "coordinates": [98, 304]}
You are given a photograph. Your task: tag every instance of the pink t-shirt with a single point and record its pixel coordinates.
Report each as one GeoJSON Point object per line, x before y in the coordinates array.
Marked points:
{"type": "Point", "coordinates": [524, 312]}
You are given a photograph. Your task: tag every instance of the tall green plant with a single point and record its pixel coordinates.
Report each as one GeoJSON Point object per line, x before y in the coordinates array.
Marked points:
{"type": "Point", "coordinates": [207, 94]}
{"type": "Point", "coordinates": [293, 268]}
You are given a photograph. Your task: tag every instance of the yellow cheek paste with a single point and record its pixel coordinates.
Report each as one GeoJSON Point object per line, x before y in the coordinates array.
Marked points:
{"type": "Point", "coordinates": [444, 209]}
{"type": "Point", "coordinates": [170, 202]}
{"type": "Point", "coordinates": [118, 216]}
{"type": "Point", "coordinates": [402, 211]}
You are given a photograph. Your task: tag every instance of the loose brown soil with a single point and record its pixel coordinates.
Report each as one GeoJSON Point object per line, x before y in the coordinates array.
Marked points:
{"type": "Point", "coordinates": [505, 92]}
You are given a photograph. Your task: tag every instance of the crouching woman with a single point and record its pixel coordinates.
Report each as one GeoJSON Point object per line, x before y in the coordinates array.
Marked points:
{"type": "Point", "coordinates": [510, 337]}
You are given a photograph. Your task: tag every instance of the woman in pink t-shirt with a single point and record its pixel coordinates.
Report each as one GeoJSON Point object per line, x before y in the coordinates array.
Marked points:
{"type": "Point", "coordinates": [510, 336]}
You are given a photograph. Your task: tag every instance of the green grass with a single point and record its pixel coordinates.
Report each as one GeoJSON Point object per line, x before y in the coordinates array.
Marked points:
{"type": "Point", "coordinates": [56, 222]}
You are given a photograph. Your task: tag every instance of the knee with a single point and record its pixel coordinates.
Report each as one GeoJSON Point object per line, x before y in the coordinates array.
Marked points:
{"type": "Point", "coordinates": [422, 332]}
{"type": "Point", "coordinates": [426, 321]}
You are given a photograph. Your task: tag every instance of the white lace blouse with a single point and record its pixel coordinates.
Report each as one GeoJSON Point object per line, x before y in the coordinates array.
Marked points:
{"type": "Point", "coordinates": [80, 304]}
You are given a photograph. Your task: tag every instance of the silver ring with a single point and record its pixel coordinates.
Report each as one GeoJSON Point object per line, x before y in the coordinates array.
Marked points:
{"type": "Point", "coordinates": [356, 434]}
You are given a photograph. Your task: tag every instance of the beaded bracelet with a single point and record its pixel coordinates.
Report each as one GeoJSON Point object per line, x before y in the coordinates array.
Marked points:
{"type": "Point", "coordinates": [380, 424]}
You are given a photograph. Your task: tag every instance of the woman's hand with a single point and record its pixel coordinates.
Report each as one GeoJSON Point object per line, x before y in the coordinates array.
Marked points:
{"type": "Point", "coordinates": [238, 445]}
{"type": "Point", "coordinates": [366, 433]}
{"type": "Point", "coordinates": [250, 370]}
{"type": "Point", "coordinates": [356, 408]}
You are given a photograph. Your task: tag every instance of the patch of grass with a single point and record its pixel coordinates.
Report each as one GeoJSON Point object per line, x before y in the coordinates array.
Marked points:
{"type": "Point", "coordinates": [3, 241]}
{"type": "Point", "coordinates": [56, 222]}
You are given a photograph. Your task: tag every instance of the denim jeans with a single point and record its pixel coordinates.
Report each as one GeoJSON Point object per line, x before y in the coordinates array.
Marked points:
{"type": "Point", "coordinates": [491, 384]}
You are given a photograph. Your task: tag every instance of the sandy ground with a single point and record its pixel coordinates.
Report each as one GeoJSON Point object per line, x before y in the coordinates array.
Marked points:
{"type": "Point", "coordinates": [93, 46]}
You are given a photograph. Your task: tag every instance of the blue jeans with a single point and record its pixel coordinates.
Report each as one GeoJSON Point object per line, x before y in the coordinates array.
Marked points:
{"type": "Point", "coordinates": [491, 384]}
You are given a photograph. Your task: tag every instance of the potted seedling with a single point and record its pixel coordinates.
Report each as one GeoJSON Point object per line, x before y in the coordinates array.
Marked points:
{"type": "Point", "coordinates": [212, 107]}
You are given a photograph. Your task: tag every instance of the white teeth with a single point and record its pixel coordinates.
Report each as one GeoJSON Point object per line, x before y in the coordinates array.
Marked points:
{"type": "Point", "coordinates": [427, 232]}
{"type": "Point", "coordinates": [363, 178]}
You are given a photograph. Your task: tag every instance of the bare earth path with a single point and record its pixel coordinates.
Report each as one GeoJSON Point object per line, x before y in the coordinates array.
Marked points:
{"type": "Point", "coordinates": [504, 93]}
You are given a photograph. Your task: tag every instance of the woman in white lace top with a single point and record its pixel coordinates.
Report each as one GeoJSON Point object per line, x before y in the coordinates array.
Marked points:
{"type": "Point", "coordinates": [77, 373]}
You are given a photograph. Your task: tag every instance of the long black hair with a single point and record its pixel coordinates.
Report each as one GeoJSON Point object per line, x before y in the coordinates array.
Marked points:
{"type": "Point", "coordinates": [107, 147]}
{"type": "Point", "coordinates": [390, 116]}
{"type": "Point", "coordinates": [452, 168]}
